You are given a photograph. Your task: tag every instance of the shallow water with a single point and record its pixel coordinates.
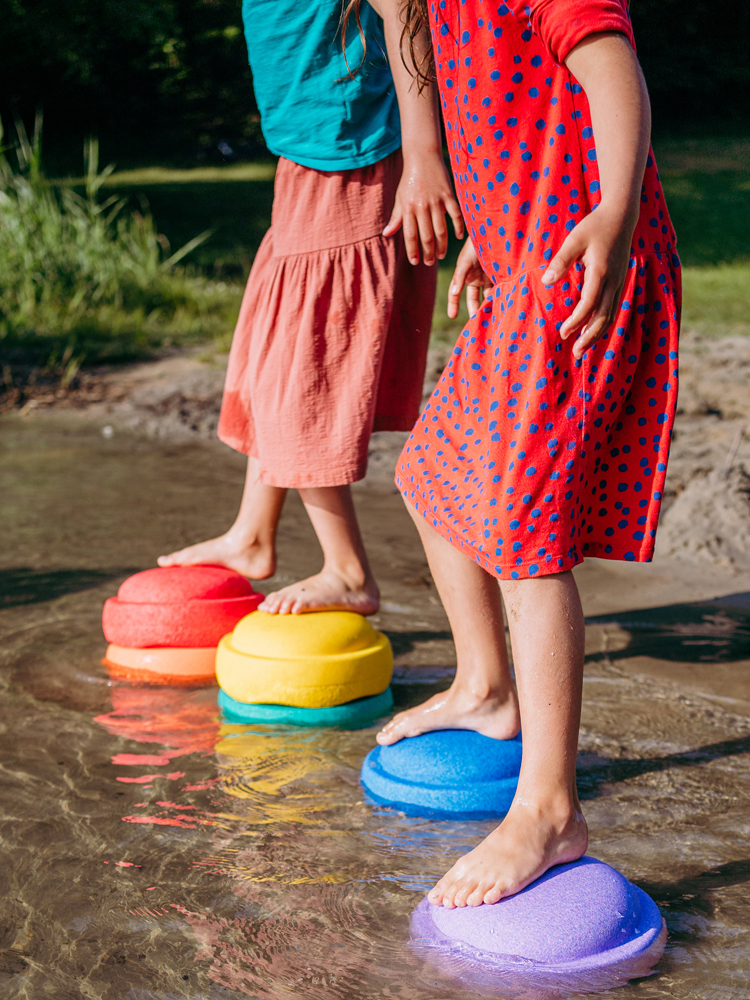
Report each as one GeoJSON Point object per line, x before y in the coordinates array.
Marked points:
{"type": "Point", "coordinates": [150, 851]}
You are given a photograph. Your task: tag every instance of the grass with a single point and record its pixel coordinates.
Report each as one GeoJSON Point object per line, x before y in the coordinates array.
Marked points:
{"type": "Point", "coordinates": [88, 275]}
{"type": "Point", "coordinates": [82, 279]}
{"type": "Point", "coordinates": [707, 183]}
{"type": "Point", "coordinates": [717, 300]}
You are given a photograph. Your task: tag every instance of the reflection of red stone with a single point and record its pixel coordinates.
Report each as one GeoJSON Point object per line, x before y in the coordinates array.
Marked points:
{"type": "Point", "coordinates": [261, 958]}
{"type": "Point", "coordinates": [184, 720]}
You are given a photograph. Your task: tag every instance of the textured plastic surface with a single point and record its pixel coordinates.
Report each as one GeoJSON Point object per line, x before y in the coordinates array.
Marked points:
{"type": "Point", "coordinates": [307, 661]}
{"type": "Point", "coordinates": [162, 665]}
{"type": "Point", "coordinates": [355, 713]}
{"type": "Point", "coordinates": [184, 606]}
{"type": "Point", "coordinates": [451, 773]}
{"type": "Point", "coordinates": [577, 917]}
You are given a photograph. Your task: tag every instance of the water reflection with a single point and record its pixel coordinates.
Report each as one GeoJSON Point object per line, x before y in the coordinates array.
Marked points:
{"type": "Point", "coordinates": [185, 721]}
{"type": "Point", "coordinates": [283, 775]}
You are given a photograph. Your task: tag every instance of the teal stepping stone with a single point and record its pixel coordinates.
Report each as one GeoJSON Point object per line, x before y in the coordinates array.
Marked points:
{"type": "Point", "coordinates": [352, 715]}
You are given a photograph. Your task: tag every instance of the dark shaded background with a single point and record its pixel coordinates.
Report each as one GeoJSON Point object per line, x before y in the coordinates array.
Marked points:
{"type": "Point", "coordinates": [167, 81]}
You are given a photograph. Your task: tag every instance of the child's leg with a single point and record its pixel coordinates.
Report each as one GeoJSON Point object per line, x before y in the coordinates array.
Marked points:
{"type": "Point", "coordinates": [249, 547]}
{"type": "Point", "coordinates": [481, 696]}
{"type": "Point", "coordinates": [545, 825]}
{"type": "Point", "coordinates": [346, 582]}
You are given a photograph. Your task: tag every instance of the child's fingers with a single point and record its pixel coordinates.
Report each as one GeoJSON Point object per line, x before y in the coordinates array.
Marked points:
{"type": "Point", "coordinates": [593, 286]}
{"type": "Point", "coordinates": [454, 300]}
{"type": "Point", "coordinates": [456, 287]}
{"type": "Point", "coordinates": [564, 259]}
{"type": "Point", "coordinates": [453, 209]}
{"type": "Point", "coordinates": [473, 298]}
{"type": "Point", "coordinates": [601, 320]}
{"type": "Point", "coordinates": [411, 237]}
{"type": "Point", "coordinates": [441, 231]}
{"type": "Point", "coordinates": [426, 235]}
{"type": "Point", "coordinates": [395, 221]}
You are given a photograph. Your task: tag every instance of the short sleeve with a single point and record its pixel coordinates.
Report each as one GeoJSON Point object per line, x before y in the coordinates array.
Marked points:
{"type": "Point", "coordinates": [562, 24]}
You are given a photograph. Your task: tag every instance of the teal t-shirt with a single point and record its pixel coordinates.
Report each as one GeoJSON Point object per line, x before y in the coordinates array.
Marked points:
{"type": "Point", "coordinates": [311, 110]}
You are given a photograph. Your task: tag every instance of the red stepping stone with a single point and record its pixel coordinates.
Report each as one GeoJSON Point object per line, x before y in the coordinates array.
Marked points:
{"type": "Point", "coordinates": [178, 606]}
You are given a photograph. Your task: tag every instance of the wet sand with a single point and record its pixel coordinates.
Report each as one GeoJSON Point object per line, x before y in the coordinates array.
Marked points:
{"type": "Point", "coordinates": [150, 852]}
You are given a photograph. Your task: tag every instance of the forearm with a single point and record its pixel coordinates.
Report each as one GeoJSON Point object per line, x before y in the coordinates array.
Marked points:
{"type": "Point", "coordinates": [607, 69]}
{"type": "Point", "coordinates": [419, 111]}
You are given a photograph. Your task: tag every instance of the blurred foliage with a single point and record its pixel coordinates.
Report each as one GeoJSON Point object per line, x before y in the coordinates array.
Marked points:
{"type": "Point", "coordinates": [82, 279]}
{"type": "Point", "coordinates": [696, 58]}
{"type": "Point", "coordinates": [168, 81]}
{"type": "Point", "coordinates": [156, 81]}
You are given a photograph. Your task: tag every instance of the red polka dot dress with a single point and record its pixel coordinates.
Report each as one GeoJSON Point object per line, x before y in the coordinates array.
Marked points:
{"type": "Point", "coordinates": [524, 457]}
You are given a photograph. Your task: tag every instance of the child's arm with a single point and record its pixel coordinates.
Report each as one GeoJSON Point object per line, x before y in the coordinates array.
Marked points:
{"type": "Point", "coordinates": [425, 193]}
{"type": "Point", "coordinates": [607, 69]}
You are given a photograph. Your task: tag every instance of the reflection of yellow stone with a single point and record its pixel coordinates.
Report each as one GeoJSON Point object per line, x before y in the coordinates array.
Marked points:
{"type": "Point", "coordinates": [280, 776]}
{"type": "Point", "coordinates": [308, 661]}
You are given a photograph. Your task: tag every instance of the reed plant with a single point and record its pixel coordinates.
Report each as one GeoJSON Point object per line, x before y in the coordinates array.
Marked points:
{"type": "Point", "coordinates": [86, 279]}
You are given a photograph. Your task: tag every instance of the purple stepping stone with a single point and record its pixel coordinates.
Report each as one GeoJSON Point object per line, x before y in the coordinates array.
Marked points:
{"type": "Point", "coordinates": [578, 917]}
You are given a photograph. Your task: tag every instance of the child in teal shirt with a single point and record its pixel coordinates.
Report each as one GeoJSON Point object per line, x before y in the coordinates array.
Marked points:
{"type": "Point", "coordinates": [331, 341]}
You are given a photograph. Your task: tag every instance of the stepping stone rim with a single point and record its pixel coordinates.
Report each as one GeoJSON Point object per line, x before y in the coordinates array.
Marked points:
{"type": "Point", "coordinates": [359, 712]}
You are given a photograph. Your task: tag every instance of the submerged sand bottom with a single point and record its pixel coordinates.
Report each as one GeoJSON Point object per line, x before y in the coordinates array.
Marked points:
{"type": "Point", "coordinates": [148, 851]}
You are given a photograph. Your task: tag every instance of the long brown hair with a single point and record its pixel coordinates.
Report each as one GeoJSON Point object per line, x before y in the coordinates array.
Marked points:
{"type": "Point", "coordinates": [414, 18]}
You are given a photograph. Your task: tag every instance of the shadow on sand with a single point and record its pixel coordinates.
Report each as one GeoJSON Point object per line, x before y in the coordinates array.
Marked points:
{"type": "Point", "coordinates": [715, 631]}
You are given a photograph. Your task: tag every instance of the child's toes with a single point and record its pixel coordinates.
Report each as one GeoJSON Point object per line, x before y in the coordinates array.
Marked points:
{"type": "Point", "coordinates": [476, 898]}
{"type": "Point", "coordinates": [494, 894]}
{"type": "Point", "coordinates": [463, 892]}
{"type": "Point", "coordinates": [392, 732]}
{"type": "Point", "coordinates": [449, 893]}
{"type": "Point", "coordinates": [435, 895]}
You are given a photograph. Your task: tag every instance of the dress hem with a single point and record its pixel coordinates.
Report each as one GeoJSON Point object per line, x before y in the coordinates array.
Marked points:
{"type": "Point", "coordinates": [544, 563]}
{"type": "Point", "coordinates": [343, 476]}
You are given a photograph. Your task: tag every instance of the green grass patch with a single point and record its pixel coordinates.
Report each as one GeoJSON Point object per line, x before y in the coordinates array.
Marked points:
{"type": "Point", "coordinates": [88, 271]}
{"type": "Point", "coordinates": [84, 279]}
{"type": "Point", "coordinates": [716, 300]}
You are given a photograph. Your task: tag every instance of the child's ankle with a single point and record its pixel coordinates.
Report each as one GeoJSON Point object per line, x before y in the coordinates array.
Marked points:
{"type": "Point", "coordinates": [250, 540]}
{"type": "Point", "coordinates": [557, 808]}
{"type": "Point", "coordinates": [483, 691]}
{"type": "Point", "coordinates": [350, 570]}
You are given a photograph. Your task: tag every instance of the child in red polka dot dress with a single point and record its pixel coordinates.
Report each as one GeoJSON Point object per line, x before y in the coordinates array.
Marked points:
{"type": "Point", "coordinates": [546, 439]}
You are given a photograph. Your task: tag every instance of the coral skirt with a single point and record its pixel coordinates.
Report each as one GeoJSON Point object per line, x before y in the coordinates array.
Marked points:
{"type": "Point", "coordinates": [331, 341]}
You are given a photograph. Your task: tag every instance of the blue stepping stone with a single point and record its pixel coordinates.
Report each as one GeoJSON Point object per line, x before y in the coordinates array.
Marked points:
{"type": "Point", "coordinates": [354, 714]}
{"type": "Point", "coordinates": [448, 774]}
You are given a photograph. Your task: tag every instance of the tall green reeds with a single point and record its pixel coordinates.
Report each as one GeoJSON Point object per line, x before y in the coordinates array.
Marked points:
{"type": "Point", "coordinates": [84, 279]}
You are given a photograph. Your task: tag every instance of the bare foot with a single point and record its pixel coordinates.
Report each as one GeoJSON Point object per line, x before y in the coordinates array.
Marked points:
{"type": "Point", "coordinates": [326, 591]}
{"type": "Point", "coordinates": [457, 708]}
{"type": "Point", "coordinates": [530, 840]}
{"type": "Point", "coordinates": [255, 560]}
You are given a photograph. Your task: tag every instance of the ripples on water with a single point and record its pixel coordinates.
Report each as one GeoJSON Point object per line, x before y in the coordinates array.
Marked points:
{"type": "Point", "coordinates": [151, 852]}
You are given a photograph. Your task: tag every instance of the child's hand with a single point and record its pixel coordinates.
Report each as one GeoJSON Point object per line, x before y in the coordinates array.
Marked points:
{"type": "Point", "coordinates": [601, 242]}
{"type": "Point", "coordinates": [423, 197]}
{"type": "Point", "coordinates": [468, 273]}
